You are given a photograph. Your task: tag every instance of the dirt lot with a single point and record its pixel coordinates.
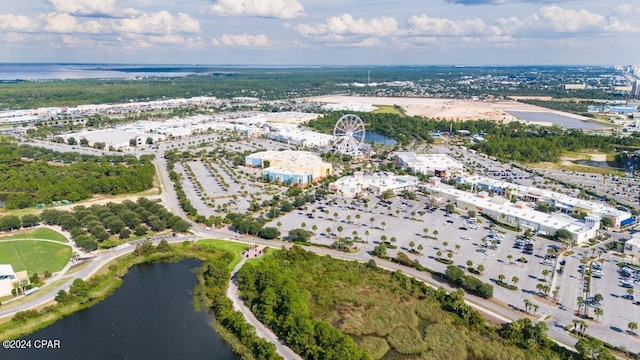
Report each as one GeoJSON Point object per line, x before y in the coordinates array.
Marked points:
{"type": "Point", "coordinates": [443, 108]}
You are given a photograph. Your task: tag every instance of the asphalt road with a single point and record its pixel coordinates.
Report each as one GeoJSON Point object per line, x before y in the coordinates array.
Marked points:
{"type": "Point", "coordinates": [492, 309]}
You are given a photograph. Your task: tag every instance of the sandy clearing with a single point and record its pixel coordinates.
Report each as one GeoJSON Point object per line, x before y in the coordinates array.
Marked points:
{"type": "Point", "coordinates": [449, 109]}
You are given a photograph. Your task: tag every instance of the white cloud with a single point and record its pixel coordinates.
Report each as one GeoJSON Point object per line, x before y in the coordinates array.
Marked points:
{"type": "Point", "coordinates": [347, 25]}
{"type": "Point", "coordinates": [281, 9]}
{"type": "Point", "coordinates": [552, 21]}
{"type": "Point", "coordinates": [18, 23]}
{"type": "Point", "coordinates": [424, 25]}
{"type": "Point", "coordinates": [61, 23]}
{"type": "Point", "coordinates": [108, 8]}
{"type": "Point", "coordinates": [159, 23]}
{"type": "Point", "coordinates": [243, 40]}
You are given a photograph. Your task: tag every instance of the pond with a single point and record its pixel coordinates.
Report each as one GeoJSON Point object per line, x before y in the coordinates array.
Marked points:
{"type": "Point", "coordinates": [378, 138]}
{"type": "Point", "coordinates": [151, 316]}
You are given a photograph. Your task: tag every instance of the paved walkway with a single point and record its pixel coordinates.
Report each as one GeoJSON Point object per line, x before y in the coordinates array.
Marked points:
{"type": "Point", "coordinates": [261, 330]}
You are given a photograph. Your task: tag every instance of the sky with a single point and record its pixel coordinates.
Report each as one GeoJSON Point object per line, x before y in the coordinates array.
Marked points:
{"type": "Point", "coordinates": [322, 32]}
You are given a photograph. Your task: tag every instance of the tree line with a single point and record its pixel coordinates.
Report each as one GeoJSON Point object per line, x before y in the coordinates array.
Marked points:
{"type": "Point", "coordinates": [30, 176]}
{"type": "Point", "coordinates": [98, 225]}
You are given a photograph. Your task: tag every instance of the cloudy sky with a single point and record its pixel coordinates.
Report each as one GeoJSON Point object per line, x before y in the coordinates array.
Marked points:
{"type": "Point", "coordinates": [331, 32]}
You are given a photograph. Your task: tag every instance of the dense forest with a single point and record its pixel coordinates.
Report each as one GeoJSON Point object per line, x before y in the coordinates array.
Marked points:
{"type": "Point", "coordinates": [107, 225]}
{"type": "Point", "coordinates": [31, 175]}
{"type": "Point", "coordinates": [289, 83]}
{"type": "Point", "coordinates": [513, 141]}
{"type": "Point", "coordinates": [310, 301]}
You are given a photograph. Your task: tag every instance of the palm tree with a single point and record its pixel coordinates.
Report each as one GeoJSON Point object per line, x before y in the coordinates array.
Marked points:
{"type": "Point", "coordinates": [435, 233]}
{"type": "Point", "coordinates": [575, 325]}
{"type": "Point", "coordinates": [411, 244]}
{"type": "Point", "coordinates": [371, 219]}
{"type": "Point", "coordinates": [457, 248]}
{"type": "Point", "coordinates": [599, 312]}
{"type": "Point", "coordinates": [335, 216]}
{"type": "Point", "coordinates": [545, 273]}
{"type": "Point", "coordinates": [383, 238]}
{"type": "Point", "coordinates": [420, 248]}
{"type": "Point", "coordinates": [366, 234]}
{"type": "Point", "coordinates": [580, 301]}
{"type": "Point", "coordinates": [630, 292]}
{"type": "Point", "coordinates": [278, 224]}
{"type": "Point", "coordinates": [555, 292]}
{"type": "Point", "coordinates": [515, 280]}
{"type": "Point", "coordinates": [450, 255]}
{"type": "Point", "coordinates": [355, 235]}
{"type": "Point", "coordinates": [358, 219]}
{"type": "Point", "coordinates": [393, 240]}
{"type": "Point", "coordinates": [583, 326]}
{"type": "Point", "coordinates": [633, 326]}
{"type": "Point", "coordinates": [469, 263]}
{"type": "Point", "coordinates": [535, 308]}
{"type": "Point", "coordinates": [426, 231]}
{"type": "Point", "coordinates": [527, 303]}
{"type": "Point", "coordinates": [480, 269]}
{"type": "Point", "coordinates": [340, 230]}
{"type": "Point", "coordinates": [303, 225]}
{"type": "Point", "coordinates": [510, 257]}
{"type": "Point", "coordinates": [598, 297]}
{"type": "Point", "coordinates": [328, 232]}
{"type": "Point", "coordinates": [445, 244]}
{"type": "Point", "coordinates": [348, 219]}
{"type": "Point", "coordinates": [383, 225]}
{"type": "Point", "coordinates": [439, 253]}
{"type": "Point", "coordinates": [501, 277]}
{"type": "Point", "coordinates": [314, 228]}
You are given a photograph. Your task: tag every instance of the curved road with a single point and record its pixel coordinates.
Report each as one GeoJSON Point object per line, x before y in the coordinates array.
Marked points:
{"type": "Point", "coordinates": [169, 198]}
{"type": "Point", "coordinates": [261, 330]}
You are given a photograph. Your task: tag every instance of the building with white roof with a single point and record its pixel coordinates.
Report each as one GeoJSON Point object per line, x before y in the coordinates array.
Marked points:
{"type": "Point", "coordinates": [375, 183]}
{"type": "Point", "coordinates": [632, 246]}
{"type": "Point", "coordinates": [520, 214]}
{"type": "Point", "coordinates": [290, 167]}
{"type": "Point", "coordinates": [440, 165]}
{"type": "Point", "coordinates": [7, 278]}
{"type": "Point", "coordinates": [349, 107]}
{"type": "Point", "coordinates": [118, 139]}
{"type": "Point", "coordinates": [564, 203]}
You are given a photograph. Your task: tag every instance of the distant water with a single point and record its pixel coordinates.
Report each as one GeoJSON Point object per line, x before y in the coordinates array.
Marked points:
{"type": "Point", "coordinates": [378, 138]}
{"type": "Point", "coordinates": [563, 121]}
{"type": "Point", "coordinates": [11, 72]}
{"type": "Point", "coordinates": [150, 316]}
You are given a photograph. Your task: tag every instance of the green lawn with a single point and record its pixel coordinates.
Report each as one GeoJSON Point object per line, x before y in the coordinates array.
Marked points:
{"type": "Point", "coordinates": [258, 261]}
{"type": "Point", "coordinates": [389, 109]}
{"type": "Point", "coordinates": [235, 248]}
{"type": "Point", "coordinates": [34, 256]}
{"type": "Point", "coordinates": [39, 233]}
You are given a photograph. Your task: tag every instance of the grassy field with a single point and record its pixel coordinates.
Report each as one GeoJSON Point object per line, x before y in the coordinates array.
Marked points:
{"type": "Point", "coordinates": [389, 109]}
{"type": "Point", "coordinates": [39, 233]}
{"type": "Point", "coordinates": [34, 256]}
{"type": "Point", "coordinates": [235, 248]}
{"type": "Point", "coordinates": [258, 261]}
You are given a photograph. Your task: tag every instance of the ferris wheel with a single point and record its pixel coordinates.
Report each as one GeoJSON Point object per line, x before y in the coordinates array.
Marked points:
{"type": "Point", "coordinates": [349, 135]}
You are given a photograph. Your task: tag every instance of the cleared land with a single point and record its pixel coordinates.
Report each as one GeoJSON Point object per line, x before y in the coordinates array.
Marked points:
{"type": "Point", "coordinates": [448, 109]}
{"type": "Point", "coordinates": [34, 256]}
{"type": "Point", "coordinates": [40, 233]}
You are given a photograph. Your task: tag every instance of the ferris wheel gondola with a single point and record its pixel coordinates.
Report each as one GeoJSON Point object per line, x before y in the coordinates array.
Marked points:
{"type": "Point", "coordinates": [349, 135]}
